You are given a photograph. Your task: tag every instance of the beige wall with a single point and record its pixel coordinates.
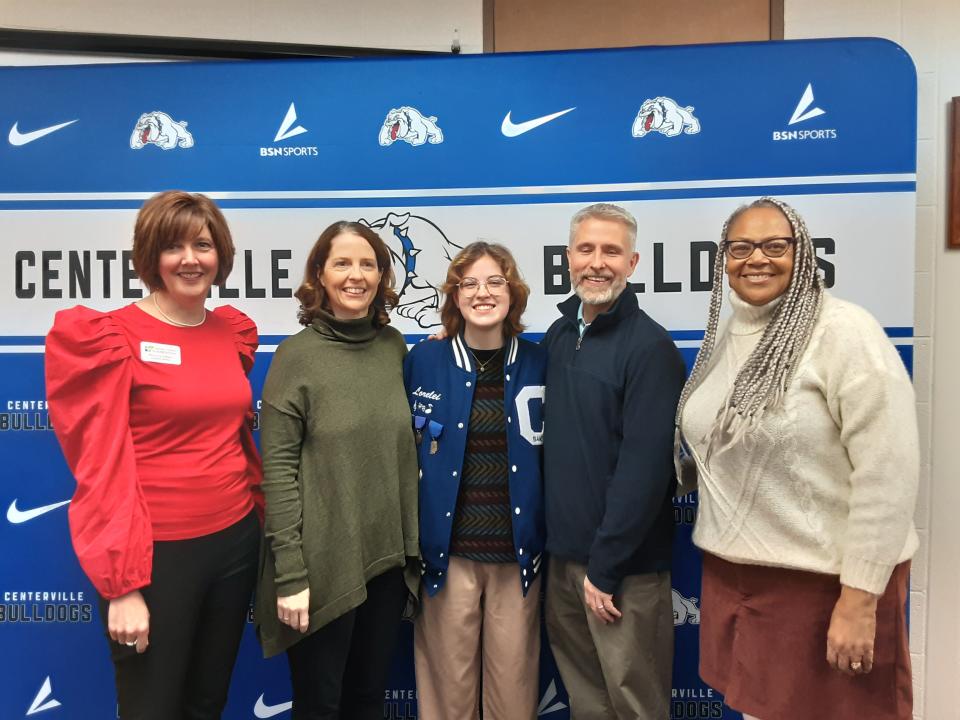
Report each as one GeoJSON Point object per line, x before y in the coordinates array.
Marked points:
{"type": "Point", "coordinates": [511, 25]}
{"type": "Point", "coordinates": [928, 29]}
{"type": "Point", "coordinates": [410, 25]}
{"type": "Point", "coordinates": [569, 24]}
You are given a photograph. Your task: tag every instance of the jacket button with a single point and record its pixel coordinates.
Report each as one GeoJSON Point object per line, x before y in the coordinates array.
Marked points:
{"type": "Point", "coordinates": [434, 586]}
{"type": "Point", "coordinates": [524, 572]}
{"type": "Point", "coordinates": [526, 583]}
{"type": "Point", "coordinates": [460, 425]}
{"type": "Point", "coordinates": [454, 473]}
{"type": "Point", "coordinates": [441, 554]}
{"type": "Point", "coordinates": [421, 474]}
{"type": "Point", "coordinates": [468, 383]}
{"type": "Point", "coordinates": [448, 514]}
{"type": "Point", "coordinates": [517, 510]}
{"type": "Point", "coordinates": [509, 419]}
{"type": "Point", "coordinates": [521, 551]}
{"type": "Point", "coordinates": [514, 468]}
{"type": "Point", "coordinates": [508, 377]}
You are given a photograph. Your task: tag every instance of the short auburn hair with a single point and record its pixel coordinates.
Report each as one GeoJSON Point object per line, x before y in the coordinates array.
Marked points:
{"type": "Point", "coordinates": [172, 216]}
{"type": "Point", "coordinates": [313, 296]}
{"type": "Point", "coordinates": [450, 314]}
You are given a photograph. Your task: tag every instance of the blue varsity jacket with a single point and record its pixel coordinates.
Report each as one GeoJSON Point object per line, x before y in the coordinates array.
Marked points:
{"type": "Point", "coordinates": [440, 378]}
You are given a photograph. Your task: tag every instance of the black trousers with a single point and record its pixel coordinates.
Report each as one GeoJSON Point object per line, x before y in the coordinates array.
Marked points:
{"type": "Point", "coordinates": [340, 671]}
{"type": "Point", "coordinates": [198, 598]}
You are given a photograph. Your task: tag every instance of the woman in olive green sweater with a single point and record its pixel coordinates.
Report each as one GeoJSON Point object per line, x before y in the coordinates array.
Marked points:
{"type": "Point", "coordinates": [340, 480]}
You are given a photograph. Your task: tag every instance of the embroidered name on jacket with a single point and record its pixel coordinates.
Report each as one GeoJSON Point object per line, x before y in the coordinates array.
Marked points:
{"type": "Point", "coordinates": [427, 394]}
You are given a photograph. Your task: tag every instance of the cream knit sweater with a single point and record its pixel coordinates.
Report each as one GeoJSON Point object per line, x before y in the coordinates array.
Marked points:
{"type": "Point", "coordinates": [827, 481]}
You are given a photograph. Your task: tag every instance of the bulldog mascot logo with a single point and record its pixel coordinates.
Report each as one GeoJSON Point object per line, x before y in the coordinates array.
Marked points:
{"type": "Point", "coordinates": [411, 126]}
{"type": "Point", "coordinates": [421, 253]}
{"type": "Point", "coordinates": [664, 116]}
{"type": "Point", "coordinates": [685, 610]}
{"type": "Point", "coordinates": [158, 128]}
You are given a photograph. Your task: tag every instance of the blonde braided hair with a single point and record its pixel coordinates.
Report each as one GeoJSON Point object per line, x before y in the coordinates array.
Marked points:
{"type": "Point", "coordinates": [768, 370]}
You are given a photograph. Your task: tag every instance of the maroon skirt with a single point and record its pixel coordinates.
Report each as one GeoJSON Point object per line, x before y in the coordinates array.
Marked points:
{"type": "Point", "coordinates": [763, 644]}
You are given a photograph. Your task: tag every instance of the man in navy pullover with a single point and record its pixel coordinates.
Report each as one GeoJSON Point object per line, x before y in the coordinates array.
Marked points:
{"type": "Point", "coordinates": [613, 380]}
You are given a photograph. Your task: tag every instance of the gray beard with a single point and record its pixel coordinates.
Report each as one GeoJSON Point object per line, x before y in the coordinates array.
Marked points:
{"type": "Point", "coordinates": [600, 298]}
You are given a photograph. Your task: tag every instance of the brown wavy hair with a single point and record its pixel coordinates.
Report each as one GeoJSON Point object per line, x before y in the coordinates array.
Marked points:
{"type": "Point", "coordinates": [313, 296]}
{"type": "Point", "coordinates": [175, 215]}
{"type": "Point", "coordinates": [519, 290]}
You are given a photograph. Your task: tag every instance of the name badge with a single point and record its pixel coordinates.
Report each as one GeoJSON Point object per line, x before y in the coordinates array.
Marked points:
{"type": "Point", "coordinates": [159, 353]}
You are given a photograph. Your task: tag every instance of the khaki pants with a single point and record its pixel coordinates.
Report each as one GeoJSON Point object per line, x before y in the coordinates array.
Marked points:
{"type": "Point", "coordinates": [620, 671]}
{"type": "Point", "coordinates": [479, 622]}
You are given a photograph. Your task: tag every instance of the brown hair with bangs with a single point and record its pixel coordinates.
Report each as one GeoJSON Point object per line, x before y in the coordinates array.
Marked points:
{"type": "Point", "coordinates": [175, 216]}
{"type": "Point", "coordinates": [519, 291]}
{"type": "Point", "coordinates": [313, 296]}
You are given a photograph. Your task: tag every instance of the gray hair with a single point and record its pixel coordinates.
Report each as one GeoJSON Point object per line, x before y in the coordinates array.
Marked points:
{"type": "Point", "coordinates": [767, 372]}
{"type": "Point", "coordinates": [605, 211]}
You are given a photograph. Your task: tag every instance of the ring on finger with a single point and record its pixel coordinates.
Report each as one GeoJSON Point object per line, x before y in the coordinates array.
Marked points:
{"type": "Point", "coordinates": [131, 643]}
{"type": "Point", "coordinates": [856, 665]}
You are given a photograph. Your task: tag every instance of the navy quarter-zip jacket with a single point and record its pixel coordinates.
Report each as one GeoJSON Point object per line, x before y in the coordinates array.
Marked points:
{"type": "Point", "coordinates": [608, 453]}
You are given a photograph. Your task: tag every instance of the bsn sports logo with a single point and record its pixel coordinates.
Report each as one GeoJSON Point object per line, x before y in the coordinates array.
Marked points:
{"type": "Point", "coordinates": [285, 132]}
{"type": "Point", "coordinates": [665, 116]}
{"type": "Point", "coordinates": [43, 700]}
{"type": "Point", "coordinates": [158, 128]}
{"type": "Point", "coordinates": [549, 703]}
{"type": "Point", "coordinates": [410, 125]}
{"type": "Point", "coordinates": [804, 111]}
{"type": "Point", "coordinates": [685, 610]}
{"type": "Point", "coordinates": [421, 253]}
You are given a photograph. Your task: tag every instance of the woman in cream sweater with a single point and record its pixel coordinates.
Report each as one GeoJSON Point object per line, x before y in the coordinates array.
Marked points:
{"type": "Point", "coordinates": [798, 418]}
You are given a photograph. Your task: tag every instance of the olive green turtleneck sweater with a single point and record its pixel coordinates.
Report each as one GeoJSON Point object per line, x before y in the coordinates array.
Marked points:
{"type": "Point", "coordinates": [340, 472]}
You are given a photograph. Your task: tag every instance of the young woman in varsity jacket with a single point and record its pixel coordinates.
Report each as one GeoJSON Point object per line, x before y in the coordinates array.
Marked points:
{"type": "Point", "coordinates": [477, 401]}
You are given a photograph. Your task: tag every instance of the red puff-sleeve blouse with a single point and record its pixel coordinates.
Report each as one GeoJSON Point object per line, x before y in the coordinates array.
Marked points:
{"type": "Point", "coordinates": [155, 423]}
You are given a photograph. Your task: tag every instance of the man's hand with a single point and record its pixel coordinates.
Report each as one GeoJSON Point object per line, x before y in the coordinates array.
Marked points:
{"type": "Point", "coordinates": [294, 610]}
{"type": "Point", "coordinates": [128, 621]}
{"type": "Point", "coordinates": [600, 603]}
{"type": "Point", "coordinates": [853, 629]}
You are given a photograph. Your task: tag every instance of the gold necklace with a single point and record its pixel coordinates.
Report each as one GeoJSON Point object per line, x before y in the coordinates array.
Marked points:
{"type": "Point", "coordinates": [481, 366]}
{"type": "Point", "coordinates": [170, 320]}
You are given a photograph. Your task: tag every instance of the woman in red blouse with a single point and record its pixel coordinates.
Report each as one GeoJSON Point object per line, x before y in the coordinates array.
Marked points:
{"type": "Point", "coordinates": [152, 408]}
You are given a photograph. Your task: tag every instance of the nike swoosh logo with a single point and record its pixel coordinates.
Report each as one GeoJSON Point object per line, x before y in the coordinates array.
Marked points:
{"type": "Point", "coordinates": [18, 138]}
{"type": "Point", "coordinates": [262, 710]}
{"type": "Point", "coordinates": [512, 129]}
{"type": "Point", "coordinates": [17, 516]}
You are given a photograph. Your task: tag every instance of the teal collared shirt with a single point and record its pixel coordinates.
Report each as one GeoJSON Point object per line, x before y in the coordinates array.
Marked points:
{"type": "Point", "coordinates": [580, 323]}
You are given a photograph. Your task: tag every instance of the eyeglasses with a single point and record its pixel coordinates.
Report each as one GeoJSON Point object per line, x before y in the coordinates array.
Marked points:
{"type": "Point", "coordinates": [495, 285]}
{"type": "Point", "coordinates": [772, 248]}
